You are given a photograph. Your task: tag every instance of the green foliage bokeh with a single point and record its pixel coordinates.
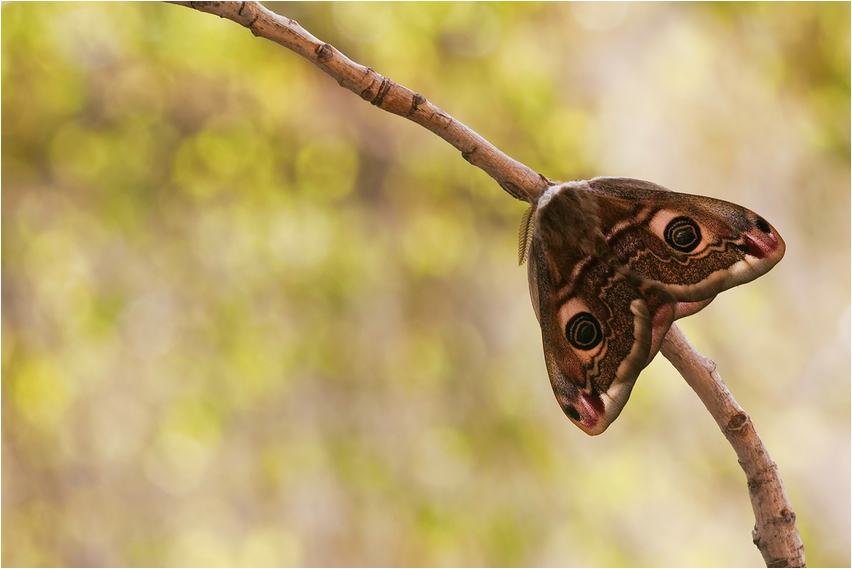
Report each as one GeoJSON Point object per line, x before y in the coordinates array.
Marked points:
{"type": "Point", "coordinates": [250, 320]}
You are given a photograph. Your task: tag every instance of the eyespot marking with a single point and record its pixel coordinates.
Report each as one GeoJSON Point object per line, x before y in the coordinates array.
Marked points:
{"type": "Point", "coordinates": [683, 234]}
{"type": "Point", "coordinates": [583, 331]}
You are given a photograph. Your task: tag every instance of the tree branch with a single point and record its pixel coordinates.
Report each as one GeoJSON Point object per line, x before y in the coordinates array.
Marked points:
{"type": "Point", "coordinates": [520, 181]}
{"type": "Point", "coordinates": [776, 533]}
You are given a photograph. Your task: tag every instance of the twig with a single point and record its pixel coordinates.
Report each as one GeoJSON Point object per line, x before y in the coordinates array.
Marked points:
{"type": "Point", "coordinates": [776, 533]}
{"type": "Point", "coordinates": [520, 181]}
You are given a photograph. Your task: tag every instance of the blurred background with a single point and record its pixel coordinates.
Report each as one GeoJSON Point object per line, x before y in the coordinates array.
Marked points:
{"type": "Point", "coordinates": [249, 319]}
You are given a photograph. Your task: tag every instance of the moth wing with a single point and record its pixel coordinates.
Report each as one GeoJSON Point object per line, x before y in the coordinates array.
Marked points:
{"type": "Point", "coordinates": [693, 247]}
{"type": "Point", "coordinates": [598, 330]}
{"type": "Point", "coordinates": [608, 274]}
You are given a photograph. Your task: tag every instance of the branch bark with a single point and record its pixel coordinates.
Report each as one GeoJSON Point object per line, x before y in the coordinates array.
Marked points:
{"type": "Point", "coordinates": [520, 181]}
{"type": "Point", "coordinates": [775, 533]}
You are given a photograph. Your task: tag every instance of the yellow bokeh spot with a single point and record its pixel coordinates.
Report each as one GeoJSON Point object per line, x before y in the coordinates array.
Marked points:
{"type": "Point", "coordinates": [78, 155]}
{"type": "Point", "coordinates": [41, 393]}
{"type": "Point", "coordinates": [270, 547]}
{"type": "Point", "coordinates": [326, 169]}
{"type": "Point", "coordinates": [437, 244]}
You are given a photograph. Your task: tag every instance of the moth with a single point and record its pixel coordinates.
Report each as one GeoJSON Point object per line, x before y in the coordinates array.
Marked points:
{"type": "Point", "coordinates": [612, 263]}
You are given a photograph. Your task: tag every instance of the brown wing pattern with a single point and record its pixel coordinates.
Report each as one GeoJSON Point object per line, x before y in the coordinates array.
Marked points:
{"type": "Point", "coordinates": [612, 263]}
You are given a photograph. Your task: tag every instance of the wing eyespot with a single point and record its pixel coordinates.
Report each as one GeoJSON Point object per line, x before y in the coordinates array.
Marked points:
{"type": "Point", "coordinates": [583, 331]}
{"type": "Point", "coordinates": [683, 234]}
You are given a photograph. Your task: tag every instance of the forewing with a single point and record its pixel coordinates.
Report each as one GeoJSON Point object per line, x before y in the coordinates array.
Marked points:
{"type": "Point", "coordinates": [692, 246]}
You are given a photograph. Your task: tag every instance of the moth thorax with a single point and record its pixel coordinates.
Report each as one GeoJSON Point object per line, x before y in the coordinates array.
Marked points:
{"type": "Point", "coordinates": [569, 217]}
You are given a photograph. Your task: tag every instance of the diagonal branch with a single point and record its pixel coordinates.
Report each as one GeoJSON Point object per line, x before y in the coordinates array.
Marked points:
{"type": "Point", "coordinates": [776, 533]}
{"type": "Point", "coordinates": [519, 180]}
